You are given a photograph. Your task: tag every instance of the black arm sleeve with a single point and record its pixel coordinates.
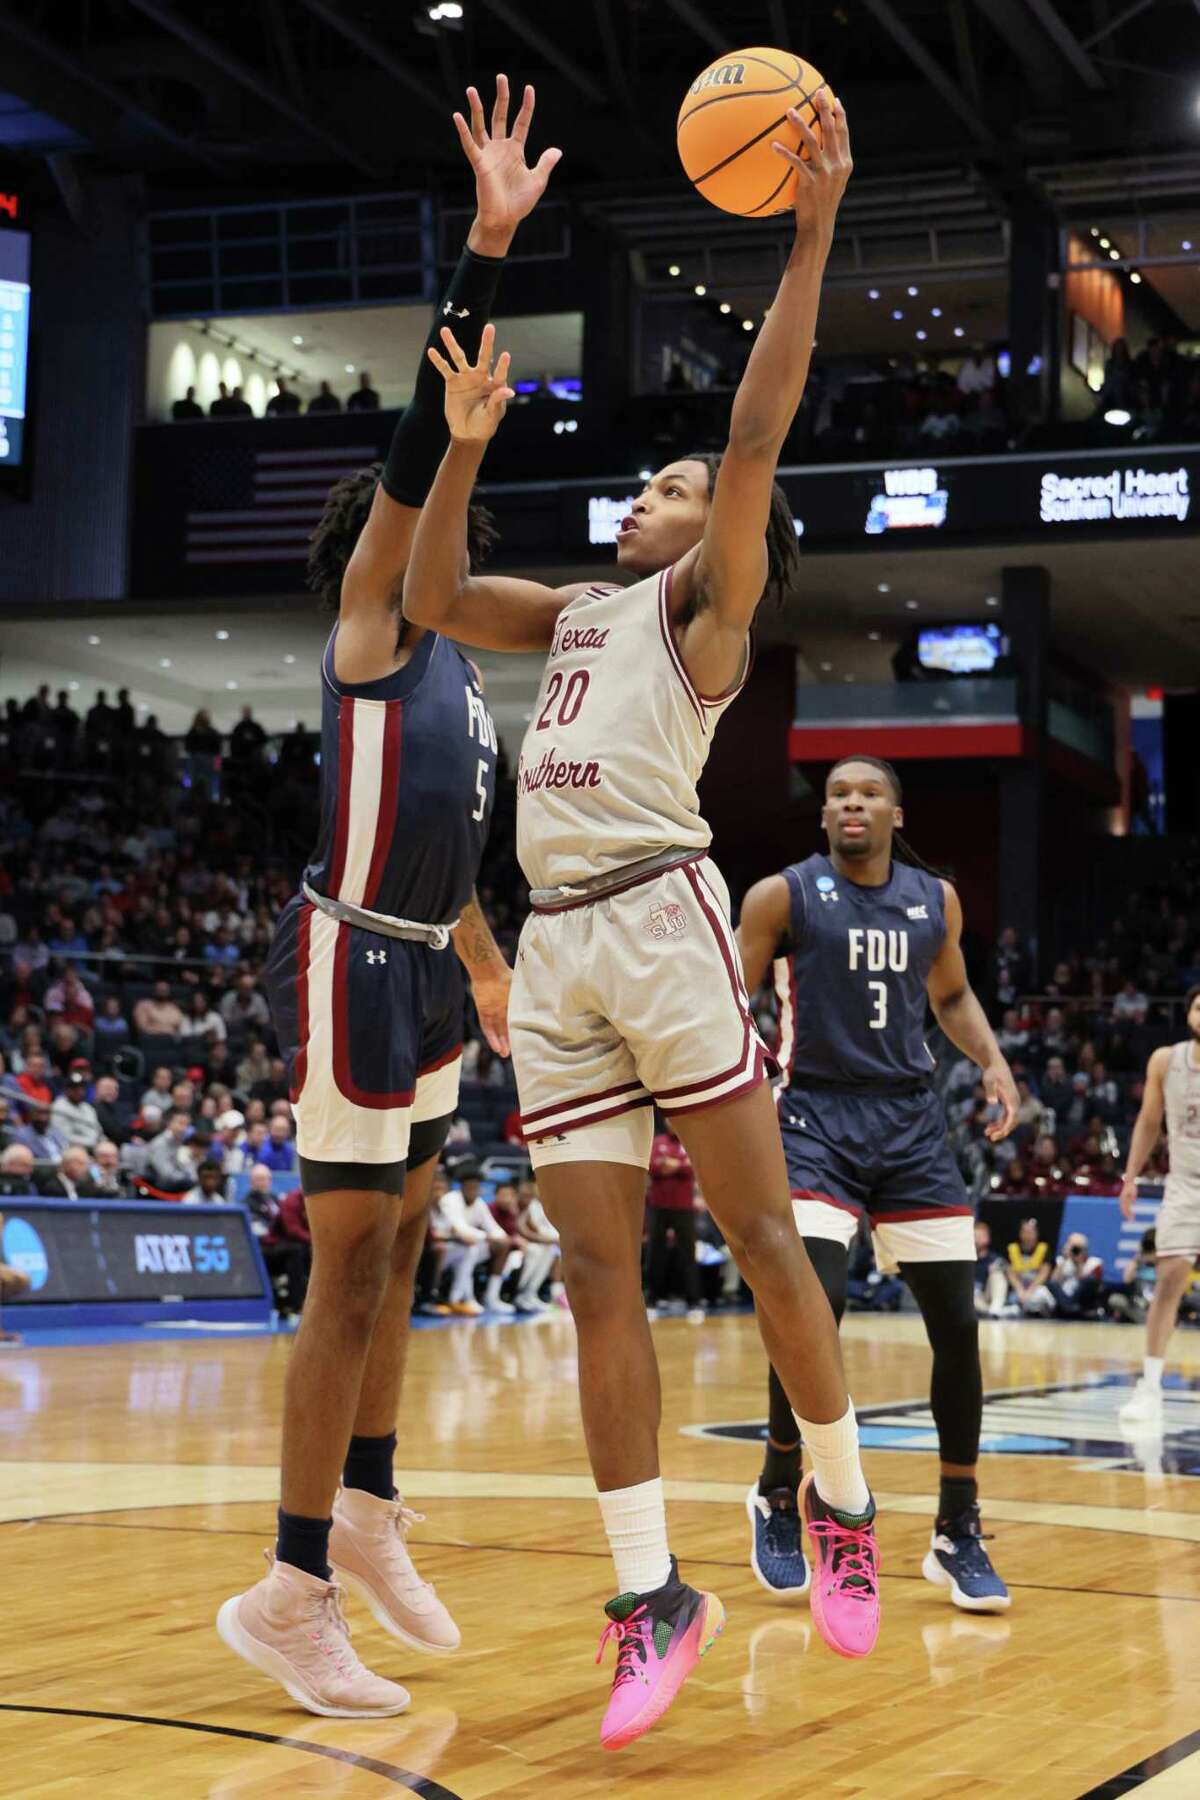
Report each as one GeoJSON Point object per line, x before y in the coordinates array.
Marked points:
{"type": "Point", "coordinates": [420, 439]}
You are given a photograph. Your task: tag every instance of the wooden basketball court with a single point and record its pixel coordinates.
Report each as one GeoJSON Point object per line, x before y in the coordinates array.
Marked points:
{"type": "Point", "coordinates": [137, 1491]}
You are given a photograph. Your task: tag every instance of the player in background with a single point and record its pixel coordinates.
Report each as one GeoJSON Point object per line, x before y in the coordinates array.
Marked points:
{"type": "Point", "coordinates": [367, 999]}
{"type": "Point", "coordinates": [627, 991]}
{"type": "Point", "coordinates": [1172, 1092]}
{"type": "Point", "coordinates": [861, 940]}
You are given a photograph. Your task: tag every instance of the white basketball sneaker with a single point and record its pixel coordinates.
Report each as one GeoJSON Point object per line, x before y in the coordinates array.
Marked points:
{"type": "Point", "coordinates": [1144, 1406]}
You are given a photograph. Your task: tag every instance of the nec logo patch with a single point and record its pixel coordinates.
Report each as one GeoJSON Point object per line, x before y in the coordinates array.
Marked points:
{"type": "Point", "coordinates": [917, 912]}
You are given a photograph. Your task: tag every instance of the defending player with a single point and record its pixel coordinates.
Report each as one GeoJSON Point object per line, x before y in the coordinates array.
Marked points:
{"type": "Point", "coordinates": [861, 940]}
{"type": "Point", "coordinates": [367, 999]}
{"type": "Point", "coordinates": [627, 990]}
{"type": "Point", "coordinates": [1172, 1091]}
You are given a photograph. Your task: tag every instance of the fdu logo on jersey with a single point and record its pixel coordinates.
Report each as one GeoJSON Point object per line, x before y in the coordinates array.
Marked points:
{"type": "Point", "coordinates": [24, 1250]}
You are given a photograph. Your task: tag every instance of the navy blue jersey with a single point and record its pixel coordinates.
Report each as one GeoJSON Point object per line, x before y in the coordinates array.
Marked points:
{"type": "Point", "coordinates": [852, 980]}
{"type": "Point", "coordinates": [408, 772]}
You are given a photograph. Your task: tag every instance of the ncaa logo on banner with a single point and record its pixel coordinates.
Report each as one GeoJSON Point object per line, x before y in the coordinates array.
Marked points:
{"type": "Point", "coordinates": [24, 1250]}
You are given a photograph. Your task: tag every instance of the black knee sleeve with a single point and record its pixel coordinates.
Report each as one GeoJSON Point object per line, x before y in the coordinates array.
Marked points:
{"type": "Point", "coordinates": [832, 1264]}
{"type": "Point", "coordinates": [945, 1293]}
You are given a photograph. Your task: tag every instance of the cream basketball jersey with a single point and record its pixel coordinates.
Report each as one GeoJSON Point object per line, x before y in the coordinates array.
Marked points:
{"type": "Point", "coordinates": [614, 750]}
{"type": "Point", "coordinates": [1181, 1090]}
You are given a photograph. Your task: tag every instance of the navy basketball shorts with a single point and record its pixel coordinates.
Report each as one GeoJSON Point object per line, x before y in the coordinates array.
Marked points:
{"type": "Point", "coordinates": [853, 1152]}
{"type": "Point", "coordinates": [371, 1029]}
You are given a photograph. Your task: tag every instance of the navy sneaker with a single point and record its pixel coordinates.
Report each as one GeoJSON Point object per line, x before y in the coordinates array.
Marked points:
{"type": "Point", "coordinates": [957, 1559]}
{"type": "Point", "coordinates": [776, 1546]}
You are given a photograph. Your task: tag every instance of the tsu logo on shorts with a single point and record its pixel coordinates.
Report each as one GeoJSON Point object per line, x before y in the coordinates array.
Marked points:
{"type": "Point", "coordinates": [667, 919]}
{"type": "Point", "coordinates": [827, 887]}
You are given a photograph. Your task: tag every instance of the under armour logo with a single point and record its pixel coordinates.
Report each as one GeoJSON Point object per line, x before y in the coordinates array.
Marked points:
{"type": "Point", "coordinates": [376, 956]}
{"type": "Point", "coordinates": [455, 313]}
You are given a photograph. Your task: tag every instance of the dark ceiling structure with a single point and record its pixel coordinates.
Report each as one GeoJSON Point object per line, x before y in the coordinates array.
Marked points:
{"type": "Point", "coordinates": [331, 95]}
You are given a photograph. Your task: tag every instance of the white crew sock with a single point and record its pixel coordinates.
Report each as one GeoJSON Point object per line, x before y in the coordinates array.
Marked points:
{"type": "Point", "coordinates": [833, 1449]}
{"type": "Point", "coordinates": [493, 1290]}
{"type": "Point", "coordinates": [1152, 1370]}
{"type": "Point", "coordinates": [635, 1519]}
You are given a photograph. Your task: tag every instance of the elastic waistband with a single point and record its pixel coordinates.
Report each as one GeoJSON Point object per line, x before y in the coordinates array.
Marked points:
{"type": "Point", "coordinates": [614, 881]}
{"type": "Point", "coordinates": [346, 913]}
{"type": "Point", "coordinates": [862, 1090]}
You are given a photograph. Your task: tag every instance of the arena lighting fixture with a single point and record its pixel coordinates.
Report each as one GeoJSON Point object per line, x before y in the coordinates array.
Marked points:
{"type": "Point", "coordinates": [1118, 415]}
{"type": "Point", "coordinates": [93, 640]}
{"type": "Point", "coordinates": [725, 307]}
{"type": "Point", "coordinates": [297, 341]}
{"type": "Point", "coordinates": [922, 335]}
{"type": "Point", "coordinates": [827, 668]}
{"type": "Point", "coordinates": [349, 368]}
{"type": "Point", "coordinates": [747, 324]}
{"type": "Point", "coordinates": [1114, 255]}
{"type": "Point", "coordinates": [1135, 278]}
{"type": "Point", "coordinates": [1105, 244]}
{"type": "Point", "coordinates": [645, 474]}
{"type": "Point", "coordinates": [992, 600]}
{"type": "Point", "coordinates": [897, 314]}
{"type": "Point", "coordinates": [164, 662]}
{"type": "Point", "coordinates": [959, 332]}
{"type": "Point", "coordinates": [74, 686]}
{"type": "Point", "coordinates": [910, 605]}
{"type": "Point", "coordinates": [222, 636]}
{"type": "Point", "coordinates": [289, 658]}
{"type": "Point", "coordinates": [913, 292]}
{"type": "Point", "coordinates": [872, 293]}
{"type": "Point", "coordinates": [885, 587]}
{"type": "Point", "coordinates": [231, 685]}
{"type": "Point", "coordinates": [847, 677]}
{"type": "Point", "coordinates": [873, 637]}
{"type": "Point", "coordinates": [700, 290]}
{"type": "Point", "coordinates": [674, 269]}
{"type": "Point", "coordinates": [935, 312]}
{"type": "Point", "coordinates": [1186, 244]}
{"type": "Point", "coordinates": [1095, 231]}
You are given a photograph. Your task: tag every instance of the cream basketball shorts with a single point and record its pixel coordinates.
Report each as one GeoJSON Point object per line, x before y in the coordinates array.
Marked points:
{"type": "Point", "coordinates": [626, 1002]}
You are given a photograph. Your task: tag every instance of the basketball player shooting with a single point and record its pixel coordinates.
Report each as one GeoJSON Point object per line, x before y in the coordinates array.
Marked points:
{"type": "Point", "coordinates": [862, 940]}
{"type": "Point", "coordinates": [627, 991]}
{"type": "Point", "coordinates": [367, 1000]}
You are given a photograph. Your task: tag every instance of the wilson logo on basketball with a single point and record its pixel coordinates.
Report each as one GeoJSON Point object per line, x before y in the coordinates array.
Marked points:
{"type": "Point", "coordinates": [724, 75]}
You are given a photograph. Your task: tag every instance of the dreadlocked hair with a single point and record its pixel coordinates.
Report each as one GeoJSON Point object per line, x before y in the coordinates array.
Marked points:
{"type": "Point", "coordinates": [346, 508]}
{"type": "Point", "coordinates": [783, 550]}
{"type": "Point", "coordinates": [902, 850]}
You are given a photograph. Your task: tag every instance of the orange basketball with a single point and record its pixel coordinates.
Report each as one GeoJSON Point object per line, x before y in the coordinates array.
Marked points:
{"type": "Point", "coordinates": [732, 113]}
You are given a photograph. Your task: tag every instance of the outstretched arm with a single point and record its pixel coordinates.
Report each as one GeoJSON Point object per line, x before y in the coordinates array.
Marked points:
{"type": "Point", "coordinates": [725, 582]}
{"type": "Point", "coordinates": [1146, 1129]}
{"type": "Point", "coordinates": [506, 191]}
{"type": "Point", "coordinates": [765, 922]}
{"type": "Point", "coordinates": [958, 1012]}
{"type": "Point", "coordinates": [494, 612]}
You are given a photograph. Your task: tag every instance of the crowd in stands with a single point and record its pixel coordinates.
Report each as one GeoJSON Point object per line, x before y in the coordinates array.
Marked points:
{"type": "Point", "coordinates": [137, 901]}
{"type": "Point", "coordinates": [1158, 388]}
{"type": "Point", "coordinates": [231, 403]}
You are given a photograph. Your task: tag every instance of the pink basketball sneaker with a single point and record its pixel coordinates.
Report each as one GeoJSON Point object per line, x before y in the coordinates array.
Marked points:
{"type": "Point", "coordinates": [368, 1547]}
{"type": "Point", "coordinates": [845, 1574]}
{"type": "Point", "coordinates": [660, 1638]}
{"type": "Point", "coordinates": [291, 1626]}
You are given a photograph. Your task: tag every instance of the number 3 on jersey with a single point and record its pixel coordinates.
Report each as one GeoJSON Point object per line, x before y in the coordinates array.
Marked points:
{"type": "Point", "coordinates": [880, 995]}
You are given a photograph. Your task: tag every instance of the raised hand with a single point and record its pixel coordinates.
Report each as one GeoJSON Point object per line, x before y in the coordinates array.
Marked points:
{"type": "Point", "coordinates": [825, 170]}
{"type": "Point", "coordinates": [506, 188]}
{"type": "Point", "coordinates": [476, 394]}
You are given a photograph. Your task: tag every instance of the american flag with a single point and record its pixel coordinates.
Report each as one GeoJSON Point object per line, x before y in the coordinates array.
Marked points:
{"type": "Point", "coordinates": [261, 506]}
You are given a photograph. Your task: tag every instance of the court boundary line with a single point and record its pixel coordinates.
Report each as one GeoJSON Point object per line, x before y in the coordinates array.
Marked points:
{"type": "Point", "coordinates": [700, 1562]}
{"type": "Point", "coordinates": [423, 1785]}
{"type": "Point", "coordinates": [1137, 1774]}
